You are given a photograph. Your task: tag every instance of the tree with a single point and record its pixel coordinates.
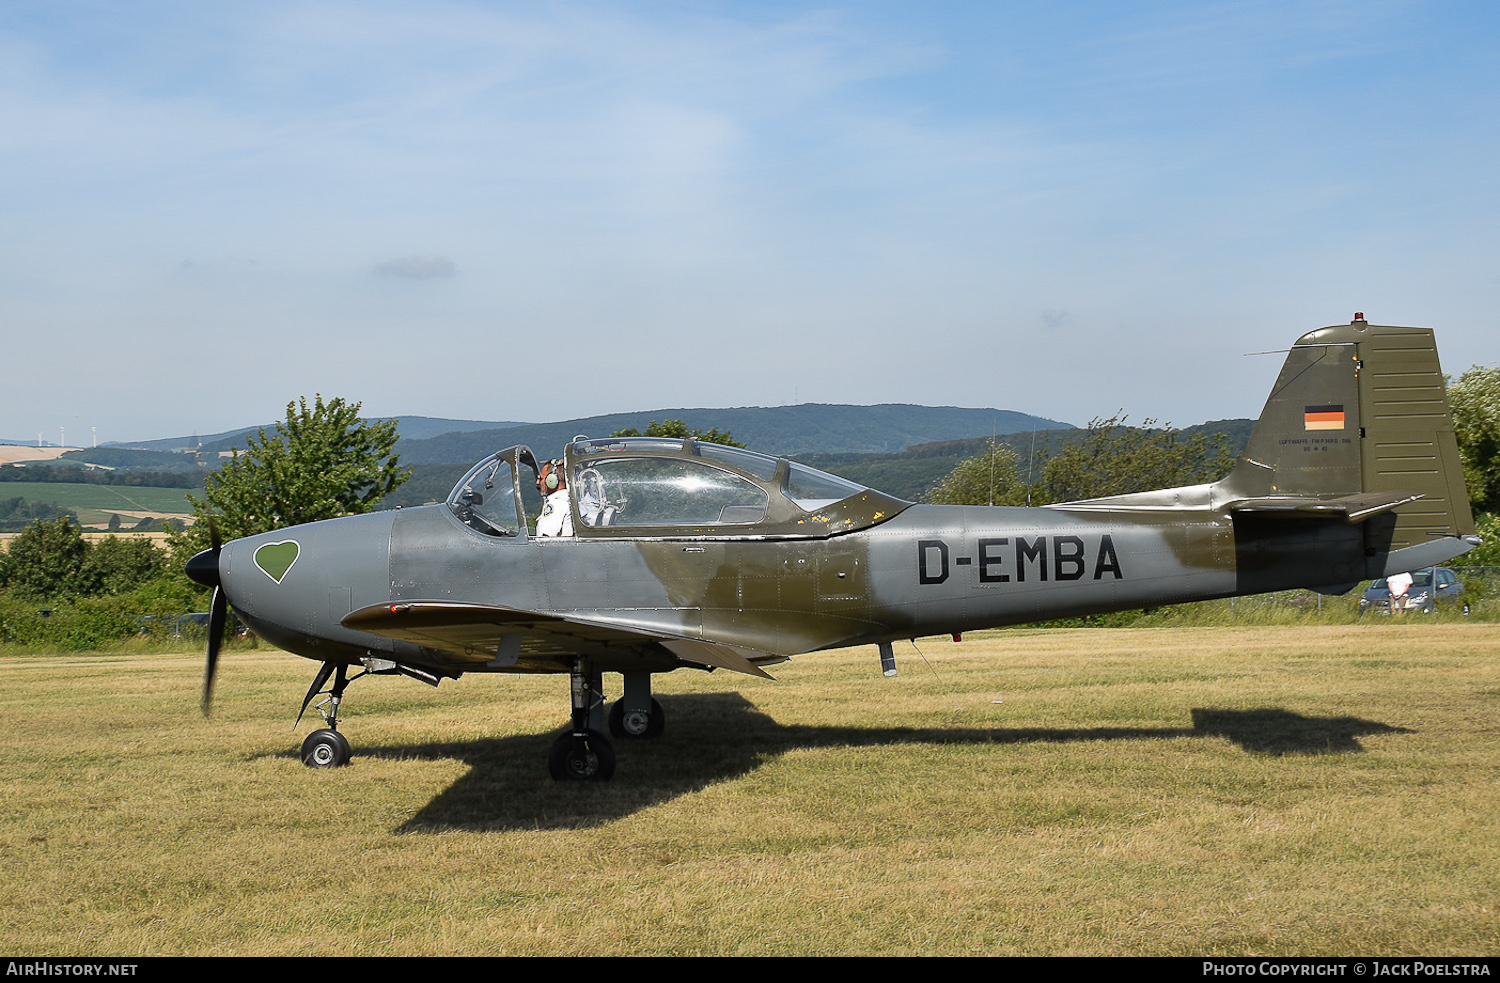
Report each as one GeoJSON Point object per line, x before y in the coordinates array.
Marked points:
{"type": "Point", "coordinates": [1487, 554]}
{"type": "Point", "coordinates": [678, 429]}
{"type": "Point", "coordinates": [1112, 458]}
{"type": "Point", "coordinates": [18, 513]}
{"type": "Point", "coordinates": [49, 560]}
{"type": "Point", "coordinates": [989, 479]}
{"type": "Point", "coordinates": [322, 462]}
{"type": "Point", "coordinates": [120, 564]}
{"type": "Point", "coordinates": [1475, 402]}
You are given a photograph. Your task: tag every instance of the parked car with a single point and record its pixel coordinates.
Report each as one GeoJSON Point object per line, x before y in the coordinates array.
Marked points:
{"type": "Point", "coordinates": [1430, 589]}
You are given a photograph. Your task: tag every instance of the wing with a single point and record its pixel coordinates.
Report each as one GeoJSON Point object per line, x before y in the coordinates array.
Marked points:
{"type": "Point", "coordinates": [487, 638]}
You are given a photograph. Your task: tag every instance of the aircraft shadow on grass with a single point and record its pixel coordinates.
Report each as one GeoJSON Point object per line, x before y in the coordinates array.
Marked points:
{"type": "Point", "coordinates": [505, 789]}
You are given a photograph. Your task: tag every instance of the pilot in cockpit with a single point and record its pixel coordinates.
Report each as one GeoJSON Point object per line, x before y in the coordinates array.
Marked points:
{"type": "Point", "coordinates": [556, 518]}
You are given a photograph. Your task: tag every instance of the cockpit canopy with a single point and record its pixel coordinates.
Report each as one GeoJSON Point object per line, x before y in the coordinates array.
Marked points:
{"type": "Point", "coordinates": [623, 487]}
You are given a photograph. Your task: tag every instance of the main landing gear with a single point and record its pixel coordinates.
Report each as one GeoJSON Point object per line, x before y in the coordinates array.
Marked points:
{"type": "Point", "coordinates": [584, 754]}
{"type": "Point", "coordinates": [636, 714]}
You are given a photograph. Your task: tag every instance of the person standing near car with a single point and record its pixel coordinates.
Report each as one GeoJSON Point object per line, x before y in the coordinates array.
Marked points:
{"type": "Point", "coordinates": [1399, 584]}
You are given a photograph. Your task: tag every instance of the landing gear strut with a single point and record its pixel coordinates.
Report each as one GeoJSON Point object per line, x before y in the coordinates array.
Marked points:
{"type": "Point", "coordinates": [326, 747]}
{"type": "Point", "coordinates": [636, 714]}
{"type": "Point", "coordinates": [584, 754]}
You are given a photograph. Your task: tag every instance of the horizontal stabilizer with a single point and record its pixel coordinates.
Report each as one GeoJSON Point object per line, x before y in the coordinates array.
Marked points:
{"type": "Point", "coordinates": [1350, 508]}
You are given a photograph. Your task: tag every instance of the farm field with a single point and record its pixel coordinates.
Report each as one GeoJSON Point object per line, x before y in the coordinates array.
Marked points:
{"type": "Point", "coordinates": [1197, 791]}
{"type": "Point", "coordinates": [95, 503]}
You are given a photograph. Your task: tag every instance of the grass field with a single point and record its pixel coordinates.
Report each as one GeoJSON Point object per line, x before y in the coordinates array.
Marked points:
{"type": "Point", "coordinates": [1271, 790]}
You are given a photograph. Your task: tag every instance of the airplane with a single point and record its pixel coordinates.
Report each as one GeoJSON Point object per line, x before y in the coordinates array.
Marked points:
{"type": "Point", "coordinates": [692, 555]}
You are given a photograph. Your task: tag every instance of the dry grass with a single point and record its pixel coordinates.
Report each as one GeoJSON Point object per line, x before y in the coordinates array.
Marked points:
{"type": "Point", "coordinates": [1327, 790]}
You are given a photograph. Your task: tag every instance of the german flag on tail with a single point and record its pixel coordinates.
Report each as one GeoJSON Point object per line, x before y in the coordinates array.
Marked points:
{"type": "Point", "coordinates": [1323, 418]}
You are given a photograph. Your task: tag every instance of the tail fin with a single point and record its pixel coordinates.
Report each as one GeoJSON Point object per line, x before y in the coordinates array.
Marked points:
{"type": "Point", "coordinates": [1358, 423]}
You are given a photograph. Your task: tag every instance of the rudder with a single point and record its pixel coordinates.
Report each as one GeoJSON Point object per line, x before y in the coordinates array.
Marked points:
{"type": "Point", "coordinates": [1409, 442]}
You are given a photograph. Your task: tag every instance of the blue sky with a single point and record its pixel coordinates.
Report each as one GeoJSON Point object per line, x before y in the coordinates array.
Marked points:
{"type": "Point", "coordinates": [540, 211]}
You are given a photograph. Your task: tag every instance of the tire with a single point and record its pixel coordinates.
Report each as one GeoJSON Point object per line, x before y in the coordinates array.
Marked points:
{"type": "Point", "coordinates": [589, 758]}
{"type": "Point", "coordinates": [325, 749]}
{"type": "Point", "coordinates": [634, 727]}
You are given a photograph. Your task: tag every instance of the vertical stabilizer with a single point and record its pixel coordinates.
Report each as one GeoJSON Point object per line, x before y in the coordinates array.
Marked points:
{"type": "Point", "coordinates": [1307, 439]}
{"type": "Point", "coordinates": [1361, 408]}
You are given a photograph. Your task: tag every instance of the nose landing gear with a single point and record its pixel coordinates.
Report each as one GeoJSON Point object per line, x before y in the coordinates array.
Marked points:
{"type": "Point", "coordinates": [326, 747]}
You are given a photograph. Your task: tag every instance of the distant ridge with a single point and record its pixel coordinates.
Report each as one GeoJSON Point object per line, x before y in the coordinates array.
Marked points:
{"type": "Point", "coordinates": [790, 431]}
{"type": "Point", "coordinates": [808, 428]}
{"type": "Point", "coordinates": [416, 427]}
{"type": "Point", "coordinates": [913, 472]}
{"type": "Point", "coordinates": [909, 472]}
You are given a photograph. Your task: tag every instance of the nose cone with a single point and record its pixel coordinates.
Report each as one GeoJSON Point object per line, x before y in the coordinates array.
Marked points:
{"type": "Point", "coordinates": [204, 568]}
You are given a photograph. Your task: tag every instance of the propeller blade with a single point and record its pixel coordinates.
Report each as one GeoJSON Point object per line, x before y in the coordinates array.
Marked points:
{"type": "Point", "coordinates": [218, 611]}
{"type": "Point", "coordinates": [204, 568]}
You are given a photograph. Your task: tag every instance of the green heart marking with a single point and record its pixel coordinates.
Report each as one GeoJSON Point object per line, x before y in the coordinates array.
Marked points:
{"type": "Point", "coordinates": [277, 558]}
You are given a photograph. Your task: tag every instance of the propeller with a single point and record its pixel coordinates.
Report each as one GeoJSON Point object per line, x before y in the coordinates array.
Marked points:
{"type": "Point", "coordinates": [204, 568]}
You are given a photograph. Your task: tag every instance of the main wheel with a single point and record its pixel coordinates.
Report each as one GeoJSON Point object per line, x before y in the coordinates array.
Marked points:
{"type": "Point", "coordinates": [325, 749]}
{"type": "Point", "coordinates": [589, 758]}
{"type": "Point", "coordinates": [635, 723]}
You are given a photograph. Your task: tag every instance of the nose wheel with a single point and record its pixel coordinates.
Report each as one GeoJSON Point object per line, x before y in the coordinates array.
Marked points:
{"type": "Point", "coordinates": [325, 748]}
